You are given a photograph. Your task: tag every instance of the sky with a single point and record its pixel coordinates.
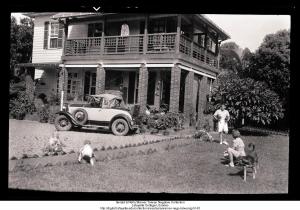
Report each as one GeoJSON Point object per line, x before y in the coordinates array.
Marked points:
{"type": "Point", "coordinates": [250, 30]}
{"type": "Point", "coordinates": [245, 30]}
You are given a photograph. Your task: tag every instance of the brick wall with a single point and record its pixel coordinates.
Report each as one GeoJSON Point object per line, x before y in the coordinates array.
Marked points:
{"type": "Point", "coordinates": [175, 89]}
{"type": "Point", "coordinates": [63, 82]}
{"type": "Point", "coordinates": [100, 80]}
{"type": "Point", "coordinates": [143, 86]}
{"type": "Point", "coordinates": [204, 90]}
{"type": "Point", "coordinates": [188, 94]}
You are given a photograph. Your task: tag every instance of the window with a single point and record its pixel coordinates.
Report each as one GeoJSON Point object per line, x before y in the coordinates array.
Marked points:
{"type": "Point", "coordinates": [53, 35]}
{"type": "Point", "coordinates": [95, 30]}
{"type": "Point", "coordinates": [74, 84]}
{"type": "Point", "coordinates": [211, 45]}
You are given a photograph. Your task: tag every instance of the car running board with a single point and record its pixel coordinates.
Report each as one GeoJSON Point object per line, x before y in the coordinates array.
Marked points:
{"type": "Point", "coordinates": [95, 126]}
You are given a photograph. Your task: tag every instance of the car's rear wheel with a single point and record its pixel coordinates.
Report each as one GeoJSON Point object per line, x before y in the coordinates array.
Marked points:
{"type": "Point", "coordinates": [120, 127]}
{"type": "Point", "coordinates": [62, 123]}
{"type": "Point", "coordinates": [81, 116]}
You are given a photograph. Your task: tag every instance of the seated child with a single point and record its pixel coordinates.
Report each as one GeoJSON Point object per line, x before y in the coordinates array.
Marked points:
{"type": "Point", "coordinates": [87, 153]}
{"type": "Point", "coordinates": [55, 145]}
{"type": "Point", "coordinates": [237, 149]}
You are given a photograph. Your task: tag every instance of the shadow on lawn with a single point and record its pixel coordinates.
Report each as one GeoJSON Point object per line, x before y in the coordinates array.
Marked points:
{"type": "Point", "coordinates": [240, 173]}
{"type": "Point", "coordinates": [252, 133]}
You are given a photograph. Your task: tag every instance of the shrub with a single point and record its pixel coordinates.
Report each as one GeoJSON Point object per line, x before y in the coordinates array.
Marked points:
{"type": "Point", "coordinates": [43, 114]}
{"type": "Point", "coordinates": [20, 105]}
{"type": "Point", "coordinates": [247, 99]}
{"type": "Point", "coordinates": [161, 121]}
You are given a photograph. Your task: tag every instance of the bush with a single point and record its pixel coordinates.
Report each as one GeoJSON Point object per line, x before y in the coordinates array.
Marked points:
{"type": "Point", "coordinates": [247, 99]}
{"type": "Point", "coordinates": [21, 105]}
{"type": "Point", "coordinates": [43, 114]}
{"type": "Point", "coordinates": [161, 121]}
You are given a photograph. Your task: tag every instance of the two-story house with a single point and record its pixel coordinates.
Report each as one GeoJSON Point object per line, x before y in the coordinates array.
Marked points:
{"type": "Point", "coordinates": [150, 59]}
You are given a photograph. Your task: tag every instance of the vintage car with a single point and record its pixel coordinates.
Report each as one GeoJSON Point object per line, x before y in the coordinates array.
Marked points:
{"type": "Point", "coordinates": [104, 111]}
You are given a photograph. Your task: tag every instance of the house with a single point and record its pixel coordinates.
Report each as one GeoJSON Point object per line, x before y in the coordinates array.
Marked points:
{"type": "Point", "coordinates": [149, 59]}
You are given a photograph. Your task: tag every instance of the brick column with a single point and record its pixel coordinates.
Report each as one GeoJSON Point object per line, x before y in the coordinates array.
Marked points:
{"type": "Point", "coordinates": [157, 89]}
{"type": "Point", "coordinates": [63, 82]}
{"type": "Point", "coordinates": [188, 96]}
{"type": "Point", "coordinates": [204, 90]}
{"type": "Point", "coordinates": [143, 87]}
{"type": "Point", "coordinates": [175, 89]}
{"type": "Point", "coordinates": [100, 80]}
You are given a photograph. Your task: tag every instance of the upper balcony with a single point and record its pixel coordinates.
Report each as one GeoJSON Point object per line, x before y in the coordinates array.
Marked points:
{"type": "Point", "coordinates": [159, 45]}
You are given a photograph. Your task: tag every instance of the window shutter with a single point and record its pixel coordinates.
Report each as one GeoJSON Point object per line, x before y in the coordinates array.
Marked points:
{"type": "Point", "coordinates": [60, 35]}
{"type": "Point", "coordinates": [46, 34]}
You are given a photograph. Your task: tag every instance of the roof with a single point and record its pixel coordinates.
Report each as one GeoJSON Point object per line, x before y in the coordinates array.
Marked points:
{"type": "Point", "coordinates": [58, 15]}
{"type": "Point", "coordinates": [78, 14]}
{"type": "Point", "coordinates": [209, 22]}
{"type": "Point", "coordinates": [37, 14]}
{"type": "Point", "coordinates": [108, 96]}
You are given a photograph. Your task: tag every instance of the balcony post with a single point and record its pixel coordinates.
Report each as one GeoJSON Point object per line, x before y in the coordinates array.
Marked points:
{"type": "Point", "coordinates": [192, 36]}
{"type": "Point", "coordinates": [65, 36]}
{"type": "Point", "coordinates": [178, 34]}
{"type": "Point", "coordinates": [145, 40]}
{"type": "Point", "coordinates": [102, 44]}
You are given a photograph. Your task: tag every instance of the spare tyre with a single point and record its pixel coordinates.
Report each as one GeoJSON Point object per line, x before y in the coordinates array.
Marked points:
{"type": "Point", "coordinates": [80, 116]}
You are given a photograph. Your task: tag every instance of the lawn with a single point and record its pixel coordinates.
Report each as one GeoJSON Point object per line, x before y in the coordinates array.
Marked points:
{"type": "Point", "coordinates": [193, 168]}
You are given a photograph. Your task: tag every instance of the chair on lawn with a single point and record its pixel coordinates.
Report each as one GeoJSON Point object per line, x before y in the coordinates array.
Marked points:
{"type": "Point", "coordinates": [248, 167]}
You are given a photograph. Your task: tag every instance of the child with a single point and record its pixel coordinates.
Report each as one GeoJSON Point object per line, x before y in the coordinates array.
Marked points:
{"type": "Point", "coordinates": [55, 145]}
{"type": "Point", "coordinates": [238, 148]}
{"type": "Point", "coordinates": [87, 153]}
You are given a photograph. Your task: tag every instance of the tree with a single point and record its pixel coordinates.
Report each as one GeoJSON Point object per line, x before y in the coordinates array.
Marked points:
{"type": "Point", "coordinates": [21, 36]}
{"type": "Point", "coordinates": [271, 63]}
{"type": "Point", "coordinates": [230, 57]}
{"type": "Point", "coordinates": [247, 99]}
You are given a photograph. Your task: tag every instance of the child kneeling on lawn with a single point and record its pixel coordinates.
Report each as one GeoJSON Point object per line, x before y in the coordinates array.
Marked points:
{"type": "Point", "coordinates": [87, 153]}
{"type": "Point", "coordinates": [237, 149]}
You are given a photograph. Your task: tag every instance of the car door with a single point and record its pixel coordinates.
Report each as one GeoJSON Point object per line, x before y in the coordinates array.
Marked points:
{"type": "Point", "coordinates": [94, 112]}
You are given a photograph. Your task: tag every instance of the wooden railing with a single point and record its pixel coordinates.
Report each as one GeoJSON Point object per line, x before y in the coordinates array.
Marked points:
{"type": "Point", "coordinates": [190, 48]}
{"type": "Point", "coordinates": [139, 44]}
{"type": "Point", "coordinates": [83, 46]}
{"type": "Point", "coordinates": [163, 42]}
{"type": "Point", "coordinates": [123, 44]}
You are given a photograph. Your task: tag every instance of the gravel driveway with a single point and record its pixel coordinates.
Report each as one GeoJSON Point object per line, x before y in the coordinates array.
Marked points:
{"type": "Point", "coordinates": [30, 137]}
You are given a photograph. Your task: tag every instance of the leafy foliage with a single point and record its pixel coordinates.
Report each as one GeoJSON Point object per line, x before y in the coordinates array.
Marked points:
{"type": "Point", "coordinates": [271, 63]}
{"type": "Point", "coordinates": [161, 121]}
{"type": "Point", "coordinates": [20, 41]}
{"type": "Point", "coordinates": [248, 99]}
{"type": "Point", "coordinates": [230, 57]}
{"type": "Point", "coordinates": [20, 105]}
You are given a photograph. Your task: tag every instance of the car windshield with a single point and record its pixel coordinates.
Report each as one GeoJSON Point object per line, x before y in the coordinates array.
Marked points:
{"type": "Point", "coordinates": [95, 102]}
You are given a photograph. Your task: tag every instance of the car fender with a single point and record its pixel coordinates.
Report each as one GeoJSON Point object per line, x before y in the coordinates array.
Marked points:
{"type": "Point", "coordinates": [69, 116]}
{"type": "Point", "coordinates": [121, 116]}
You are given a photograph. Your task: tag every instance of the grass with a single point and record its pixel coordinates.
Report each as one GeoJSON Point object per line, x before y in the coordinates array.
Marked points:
{"type": "Point", "coordinates": [193, 168]}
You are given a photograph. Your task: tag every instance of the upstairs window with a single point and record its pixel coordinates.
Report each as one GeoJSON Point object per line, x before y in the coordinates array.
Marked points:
{"type": "Point", "coordinates": [211, 45]}
{"type": "Point", "coordinates": [53, 35]}
{"type": "Point", "coordinates": [95, 29]}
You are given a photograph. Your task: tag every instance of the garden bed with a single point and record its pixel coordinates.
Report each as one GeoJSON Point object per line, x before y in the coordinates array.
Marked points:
{"type": "Point", "coordinates": [103, 154]}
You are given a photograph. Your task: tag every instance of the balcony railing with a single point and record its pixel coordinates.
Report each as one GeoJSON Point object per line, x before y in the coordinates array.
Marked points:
{"type": "Point", "coordinates": [139, 44]}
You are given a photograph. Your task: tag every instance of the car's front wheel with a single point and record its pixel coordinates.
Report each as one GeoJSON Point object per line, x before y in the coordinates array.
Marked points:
{"type": "Point", "coordinates": [120, 127]}
{"type": "Point", "coordinates": [62, 123]}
